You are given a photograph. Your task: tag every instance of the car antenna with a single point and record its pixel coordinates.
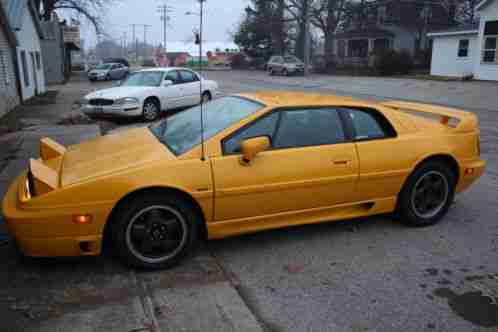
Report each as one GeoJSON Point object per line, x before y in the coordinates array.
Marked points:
{"type": "Point", "coordinates": [203, 152]}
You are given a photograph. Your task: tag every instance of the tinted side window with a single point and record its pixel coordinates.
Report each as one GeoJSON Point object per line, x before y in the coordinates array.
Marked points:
{"type": "Point", "coordinates": [261, 127]}
{"type": "Point", "coordinates": [188, 76]}
{"type": "Point", "coordinates": [366, 125]}
{"type": "Point", "coordinates": [299, 128]}
{"type": "Point", "coordinates": [172, 76]}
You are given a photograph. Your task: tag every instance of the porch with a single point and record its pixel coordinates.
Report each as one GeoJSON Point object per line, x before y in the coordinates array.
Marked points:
{"type": "Point", "coordinates": [359, 48]}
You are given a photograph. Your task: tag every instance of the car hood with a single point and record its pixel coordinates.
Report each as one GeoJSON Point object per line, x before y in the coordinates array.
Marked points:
{"type": "Point", "coordinates": [111, 154]}
{"type": "Point", "coordinates": [119, 92]}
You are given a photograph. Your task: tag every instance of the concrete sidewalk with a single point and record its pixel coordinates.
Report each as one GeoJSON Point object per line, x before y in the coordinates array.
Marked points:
{"type": "Point", "coordinates": [97, 293]}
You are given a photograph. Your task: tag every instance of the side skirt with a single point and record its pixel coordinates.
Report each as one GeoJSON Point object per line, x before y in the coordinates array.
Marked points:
{"type": "Point", "coordinates": [222, 229]}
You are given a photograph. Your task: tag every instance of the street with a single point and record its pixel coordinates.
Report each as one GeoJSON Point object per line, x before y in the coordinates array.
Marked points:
{"type": "Point", "coordinates": [361, 275]}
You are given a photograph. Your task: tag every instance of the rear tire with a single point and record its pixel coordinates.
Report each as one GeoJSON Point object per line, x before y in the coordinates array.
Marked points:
{"type": "Point", "coordinates": [206, 97]}
{"type": "Point", "coordinates": [427, 195]}
{"type": "Point", "coordinates": [147, 224]}
{"type": "Point", "coordinates": [285, 72]}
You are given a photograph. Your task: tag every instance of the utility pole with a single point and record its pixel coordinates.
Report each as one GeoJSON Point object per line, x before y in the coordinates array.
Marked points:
{"type": "Point", "coordinates": [145, 39]}
{"type": "Point", "coordinates": [164, 10]}
{"type": "Point", "coordinates": [307, 37]}
{"type": "Point", "coordinates": [125, 44]}
{"type": "Point", "coordinates": [135, 41]}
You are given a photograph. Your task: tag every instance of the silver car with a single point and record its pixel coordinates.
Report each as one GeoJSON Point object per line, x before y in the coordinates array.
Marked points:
{"type": "Point", "coordinates": [108, 71]}
{"type": "Point", "coordinates": [285, 65]}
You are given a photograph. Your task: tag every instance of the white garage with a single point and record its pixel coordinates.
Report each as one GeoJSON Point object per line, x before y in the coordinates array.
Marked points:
{"type": "Point", "coordinates": [470, 50]}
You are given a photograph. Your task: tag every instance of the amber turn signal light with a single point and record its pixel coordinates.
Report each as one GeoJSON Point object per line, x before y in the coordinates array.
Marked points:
{"type": "Point", "coordinates": [469, 171]}
{"type": "Point", "coordinates": [82, 219]}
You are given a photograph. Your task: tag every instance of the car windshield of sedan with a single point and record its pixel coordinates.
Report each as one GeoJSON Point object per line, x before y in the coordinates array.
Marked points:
{"type": "Point", "coordinates": [144, 78]}
{"type": "Point", "coordinates": [182, 131]}
{"type": "Point", "coordinates": [104, 66]}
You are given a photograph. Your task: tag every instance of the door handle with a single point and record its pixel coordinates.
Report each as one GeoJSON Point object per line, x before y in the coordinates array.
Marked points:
{"type": "Point", "coordinates": [342, 162]}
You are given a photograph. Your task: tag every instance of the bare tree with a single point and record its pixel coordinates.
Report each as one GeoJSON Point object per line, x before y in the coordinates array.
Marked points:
{"type": "Point", "coordinates": [326, 16]}
{"type": "Point", "coordinates": [91, 10]}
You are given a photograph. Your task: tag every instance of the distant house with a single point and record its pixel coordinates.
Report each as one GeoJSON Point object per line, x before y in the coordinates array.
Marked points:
{"type": "Point", "coordinates": [389, 24]}
{"type": "Point", "coordinates": [470, 50]}
{"type": "Point", "coordinates": [23, 21]}
{"type": "Point", "coordinates": [56, 51]}
{"type": "Point", "coordinates": [221, 58]}
{"type": "Point", "coordinates": [178, 59]}
{"type": "Point", "coordinates": [9, 82]}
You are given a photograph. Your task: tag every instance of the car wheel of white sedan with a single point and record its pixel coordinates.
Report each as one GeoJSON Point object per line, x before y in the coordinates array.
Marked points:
{"type": "Point", "coordinates": [150, 110]}
{"type": "Point", "coordinates": [206, 97]}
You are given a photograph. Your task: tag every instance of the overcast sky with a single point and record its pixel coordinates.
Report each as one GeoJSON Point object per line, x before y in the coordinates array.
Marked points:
{"type": "Point", "coordinates": [221, 18]}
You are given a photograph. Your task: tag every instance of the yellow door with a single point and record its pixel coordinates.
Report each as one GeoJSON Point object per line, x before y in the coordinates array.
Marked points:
{"type": "Point", "coordinates": [311, 164]}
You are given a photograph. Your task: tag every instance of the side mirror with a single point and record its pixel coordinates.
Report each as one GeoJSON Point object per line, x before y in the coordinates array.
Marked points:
{"type": "Point", "coordinates": [251, 147]}
{"type": "Point", "coordinates": [167, 83]}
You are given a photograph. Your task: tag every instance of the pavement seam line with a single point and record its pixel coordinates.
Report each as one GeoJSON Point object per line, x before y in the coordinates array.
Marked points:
{"type": "Point", "coordinates": [146, 302]}
{"type": "Point", "coordinates": [235, 284]}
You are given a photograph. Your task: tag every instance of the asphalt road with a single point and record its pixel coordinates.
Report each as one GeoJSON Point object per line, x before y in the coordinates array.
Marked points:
{"type": "Point", "coordinates": [362, 275]}
{"type": "Point", "coordinates": [375, 274]}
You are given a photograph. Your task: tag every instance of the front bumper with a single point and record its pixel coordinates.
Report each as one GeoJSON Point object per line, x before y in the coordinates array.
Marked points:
{"type": "Point", "coordinates": [470, 171]}
{"type": "Point", "coordinates": [50, 232]}
{"type": "Point", "coordinates": [127, 110]}
{"type": "Point", "coordinates": [97, 77]}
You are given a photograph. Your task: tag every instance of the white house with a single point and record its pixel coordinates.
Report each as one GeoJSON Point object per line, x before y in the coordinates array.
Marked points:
{"type": "Point", "coordinates": [9, 83]}
{"type": "Point", "coordinates": [23, 21]}
{"type": "Point", "coordinates": [470, 50]}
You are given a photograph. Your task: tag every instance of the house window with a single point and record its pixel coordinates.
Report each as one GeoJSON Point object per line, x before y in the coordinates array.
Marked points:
{"type": "Point", "coordinates": [490, 49]}
{"type": "Point", "coordinates": [24, 63]}
{"type": "Point", "coordinates": [4, 69]}
{"type": "Point", "coordinates": [463, 48]}
{"type": "Point", "coordinates": [38, 60]}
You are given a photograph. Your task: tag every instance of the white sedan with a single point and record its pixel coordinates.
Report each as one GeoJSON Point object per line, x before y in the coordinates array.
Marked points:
{"type": "Point", "coordinates": [148, 92]}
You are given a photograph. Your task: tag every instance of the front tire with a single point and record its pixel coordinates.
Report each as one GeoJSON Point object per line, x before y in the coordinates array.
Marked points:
{"type": "Point", "coordinates": [427, 195]}
{"type": "Point", "coordinates": [154, 232]}
{"type": "Point", "coordinates": [150, 109]}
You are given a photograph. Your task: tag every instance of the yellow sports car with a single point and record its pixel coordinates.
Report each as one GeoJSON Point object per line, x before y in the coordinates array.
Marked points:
{"type": "Point", "coordinates": [268, 160]}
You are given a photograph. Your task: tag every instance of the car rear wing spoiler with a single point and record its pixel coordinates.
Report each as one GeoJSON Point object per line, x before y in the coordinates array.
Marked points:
{"type": "Point", "coordinates": [462, 121]}
{"type": "Point", "coordinates": [42, 178]}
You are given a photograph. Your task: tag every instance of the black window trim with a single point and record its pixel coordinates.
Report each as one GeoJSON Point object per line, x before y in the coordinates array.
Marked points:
{"type": "Point", "coordinates": [346, 127]}
{"type": "Point", "coordinates": [389, 132]}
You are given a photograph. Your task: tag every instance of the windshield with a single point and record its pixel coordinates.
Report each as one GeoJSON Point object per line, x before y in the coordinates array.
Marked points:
{"type": "Point", "coordinates": [103, 66]}
{"type": "Point", "coordinates": [182, 132]}
{"type": "Point", "coordinates": [292, 59]}
{"type": "Point", "coordinates": [144, 78]}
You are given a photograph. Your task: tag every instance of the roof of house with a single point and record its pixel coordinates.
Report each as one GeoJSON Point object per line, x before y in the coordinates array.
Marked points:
{"type": "Point", "coordinates": [366, 32]}
{"type": "Point", "coordinates": [464, 29]}
{"type": "Point", "coordinates": [14, 10]}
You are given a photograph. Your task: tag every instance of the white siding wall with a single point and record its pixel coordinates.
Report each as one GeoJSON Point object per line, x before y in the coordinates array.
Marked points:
{"type": "Point", "coordinates": [445, 60]}
{"type": "Point", "coordinates": [9, 96]}
{"type": "Point", "coordinates": [486, 71]}
{"type": "Point", "coordinates": [29, 42]}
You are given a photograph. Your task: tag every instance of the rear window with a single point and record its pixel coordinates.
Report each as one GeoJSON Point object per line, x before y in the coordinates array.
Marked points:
{"type": "Point", "coordinates": [369, 124]}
